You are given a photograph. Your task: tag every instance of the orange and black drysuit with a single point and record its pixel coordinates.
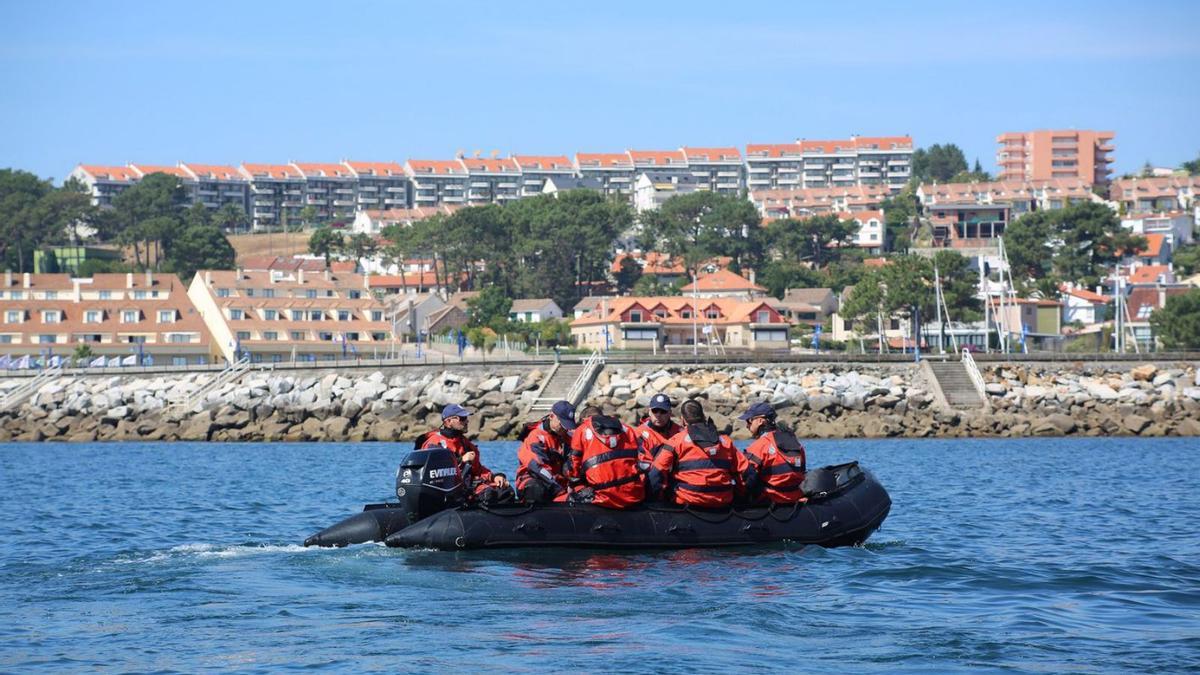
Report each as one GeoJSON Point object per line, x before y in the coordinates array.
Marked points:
{"type": "Point", "coordinates": [700, 467]}
{"type": "Point", "coordinates": [652, 439]}
{"type": "Point", "coordinates": [541, 476]}
{"type": "Point", "coordinates": [475, 476]}
{"type": "Point", "coordinates": [604, 454]}
{"type": "Point", "coordinates": [778, 457]}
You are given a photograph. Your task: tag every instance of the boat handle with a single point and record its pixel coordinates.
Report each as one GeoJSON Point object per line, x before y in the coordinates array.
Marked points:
{"type": "Point", "coordinates": [606, 527]}
{"type": "Point", "coordinates": [684, 529]}
{"type": "Point", "coordinates": [754, 526]}
{"type": "Point", "coordinates": [528, 527]}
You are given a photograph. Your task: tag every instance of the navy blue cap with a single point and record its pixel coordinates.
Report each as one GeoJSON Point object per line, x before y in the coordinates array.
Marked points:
{"type": "Point", "coordinates": [760, 409]}
{"type": "Point", "coordinates": [455, 410]}
{"type": "Point", "coordinates": [565, 412]}
{"type": "Point", "coordinates": [660, 402]}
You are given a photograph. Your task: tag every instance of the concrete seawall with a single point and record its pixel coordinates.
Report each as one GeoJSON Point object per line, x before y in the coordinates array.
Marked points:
{"type": "Point", "coordinates": [844, 400]}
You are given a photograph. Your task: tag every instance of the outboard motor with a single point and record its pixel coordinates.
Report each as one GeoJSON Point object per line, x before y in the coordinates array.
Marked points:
{"type": "Point", "coordinates": [426, 482]}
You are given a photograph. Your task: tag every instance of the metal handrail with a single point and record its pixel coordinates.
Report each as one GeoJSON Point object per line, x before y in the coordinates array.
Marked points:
{"type": "Point", "coordinates": [968, 362]}
{"type": "Point", "coordinates": [585, 376]}
{"type": "Point", "coordinates": [30, 387]}
{"type": "Point", "coordinates": [232, 372]}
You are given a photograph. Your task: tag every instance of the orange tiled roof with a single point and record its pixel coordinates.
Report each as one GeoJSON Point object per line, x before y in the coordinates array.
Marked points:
{"type": "Point", "coordinates": [773, 150]}
{"type": "Point", "coordinates": [213, 172]}
{"type": "Point", "coordinates": [543, 162]}
{"type": "Point", "coordinates": [114, 173]}
{"type": "Point", "coordinates": [276, 171]}
{"type": "Point", "coordinates": [144, 170]}
{"type": "Point", "coordinates": [875, 262]}
{"type": "Point", "coordinates": [604, 160]}
{"type": "Point", "coordinates": [436, 167]}
{"type": "Point", "coordinates": [731, 310]}
{"type": "Point", "coordinates": [1147, 274]}
{"type": "Point", "coordinates": [491, 165]}
{"type": "Point", "coordinates": [721, 280]}
{"type": "Point", "coordinates": [323, 170]}
{"type": "Point", "coordinates": [1084, 294]}
{"type": "Point", "coordinates": [1153, 247]}
{"type": "Point", "coordinates": [375, 168]}
{"type": "Point", "coordinates": [658, 157]}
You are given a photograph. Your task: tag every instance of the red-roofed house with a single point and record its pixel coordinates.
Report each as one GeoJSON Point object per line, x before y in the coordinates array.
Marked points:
{"type": "Point", "coordinates": [676, 323]}
{"type": "Point", "coordinates": [1080, 304]}
{"type": "Point", "coordinates": [1148, 274]}
{"type": "Point", "coordinates": [1143, 301]}
{"type": "Point", "coordinates": [1175, 226]}
{"type": "Point", "coordinates": [723, 283]}
{"type": "Point", "coordinates": [104, 182]}
{"type": "Point", "coordinates": [870, 236]}
{"type": "Point", "coordinates": [1156, 194]}
{"type": "Point", "coordinates": [381, 185]}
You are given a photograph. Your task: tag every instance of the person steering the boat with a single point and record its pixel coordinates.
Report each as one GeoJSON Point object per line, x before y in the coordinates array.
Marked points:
{"type": "Point", "coordinates": [541, 477]}
{"type": "Point", "coordinates": [603, 462]}
{"type": "Point", "coordinates": [700, 466]}
{"type": "Point", "coordinates": [452, 435]}
{"type": "Point", "coordinates": [776, 454]}
{"type": "Point", "coordinates": [656, 429]}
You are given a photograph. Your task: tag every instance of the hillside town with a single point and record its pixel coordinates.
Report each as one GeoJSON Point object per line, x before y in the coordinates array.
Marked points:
{"type": "Point", "coordinates": [864, 244]}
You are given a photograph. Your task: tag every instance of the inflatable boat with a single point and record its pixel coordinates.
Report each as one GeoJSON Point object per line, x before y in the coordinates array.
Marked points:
{"type": "Point", "coordinates": [845, 505]}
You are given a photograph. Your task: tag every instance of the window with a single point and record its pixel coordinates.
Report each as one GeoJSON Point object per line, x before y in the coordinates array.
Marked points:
{"type": "Point", "coordinates": [243, 335]}
{"type": "Point", "coordinates": [352, 337]}
{"type": "Point", "coordinates": [764, 316]}
{"type": "Point", "coordinates": [310, 293]}
{"type": "Point", "coordinates": [236, 314]}
{"type": "Point", "coordinates": [92, 316]}
{"type": "Point", "coordinates": [136, 339]}
{"type": "Point", "coordinates": [166, 316]}
{"type": "Point", "coordinates": [660, 313]}
{"type": "Point", "coordinates": [179, 337]}
{"type": "Point", "coordinates": [317, 315]}
{"type": "Point", "coordinates": [105, 295]}
{"type": "Point", "coordinates": [51, 295]}
{"type": "Point", "coordinates": [130, 316]}
{"type": "Point", "coordinates": [249, 292]}
{"type": "Point", "coordinates": [222, 292]}
{"type": "Point", "coordinates": [297, 315]}
{"type": "Point", "coordinates": [343, 315]}
{"type": "Point", "coordinates": [179, 360]}
{"type": "Point", "coordinates": [329, 293]}
{"type": "Point", "coordinates": [270, 335]}
{"type": "Point", "coordinates": [270, 314]}
{"type": "Point", "coordinates": [685, 314]}
{"type": "Point", "coordinates": [641, 334]}
{"type": "Point", "coordinates": [376, 315]}
{"type": "Point", "coordinates": [139, 295]}
{"type": "Point", "coordinates": [16, 295]}
{"type": "Point", "coordinates": [770, 335]}
{"type": "Point", "coordinates": [325, 336]}
{"type": "Point", "coordinates": [355, 295]}
{"type": "Point", "coordinates": [47, 339]}
{"type": "Point", "coordinates": [297, 335]}
{"type": "Point", "coordinates": [635, 316]}
{"type": "Point", "coordinates": [712, 313]}
{"type": "Point", "coordinates": [268, 292]}
{"type": "Point", "coordinates": [6, 339]}
{"type": "Point", "coordinates": [51, 316]}
{"type": "Point", "coordinates": [379, 336]}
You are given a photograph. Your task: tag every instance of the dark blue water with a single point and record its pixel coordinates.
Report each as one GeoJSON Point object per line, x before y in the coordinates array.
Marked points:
{"type": "Point", "coordinates": [1038, 555]}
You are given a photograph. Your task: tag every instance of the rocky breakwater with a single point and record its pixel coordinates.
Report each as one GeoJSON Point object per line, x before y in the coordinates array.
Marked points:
{"type": "Point", "coordinates": [817, 401]}
{"type": "Point", "coordinates": [267, 406]}
{"type": "Point", "coordinates": [1095, 399]}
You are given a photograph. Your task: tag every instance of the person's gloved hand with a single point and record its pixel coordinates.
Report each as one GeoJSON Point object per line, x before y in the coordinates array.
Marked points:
{"type": "Point", "coordinates": [583, 495]}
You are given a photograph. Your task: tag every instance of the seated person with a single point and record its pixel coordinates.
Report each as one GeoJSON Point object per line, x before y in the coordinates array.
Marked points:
{"type": "Point", "coordinates": [656, 429]}
{"type": "Point", "coordinates": [452, 435]}
{"type": "Point", "coordinates": [776, 455]}
{"type": "Point", "coordinates": [603, 462]}
{"type": "Point", "coordinates": [542, 477]}
{"type": "Point", "coordinates": [699, 466]}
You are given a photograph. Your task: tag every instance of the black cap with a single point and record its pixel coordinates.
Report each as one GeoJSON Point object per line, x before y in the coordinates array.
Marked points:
{"type": "Point", "coordinates": [760, 409]}
{"type": "Point", "coordinates": [565, 412]}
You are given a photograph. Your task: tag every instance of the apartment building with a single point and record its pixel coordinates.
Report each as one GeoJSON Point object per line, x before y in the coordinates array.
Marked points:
{"type": "Point", "coordinates": [1050, 154]}
{"type": "Point", "coordinates": [491, 180]}
{"type": "Point", "coordinates": [809, 202]}
{"type": "Point", "coordinates": [968, 225]}
{"type": "Point", "coordinates": [217, 185]}
{"type": "Point", "coordinates": [860, 160]}
{"type": "Point", "coordinates": [274, 316]}
{"type": "Point", "coordinates": [1158, 194]}
{"type": "Point", "coordinates": [1020, 196]}
{"type": "Point", "coordinates": [1176, 227]}
{"type": "Point", "coordinates": [436, 182]}
{"type": "Point", "coordinates": [380, 185]}
{"type": "Point", "coordinates": [613, 171]}
{"type": "Point", "coordinates": [653, 188]}
{"type": "Point", "coordinates": [717, 169]}
{"type": "Point", "coordinates": [651, 323]}
{"type": "Point", "coordinates": [535, 169]}
{"type": "Point", "coordinates": [276, 194]}
{"type": "Point", "coordinates": [104, 182]}
{"type": "Point", "coordinates": [330, 189]}
{"type": "Point", "coordinates": [185, 179]}
{"type": "Point", "coordinates": [128, 319]}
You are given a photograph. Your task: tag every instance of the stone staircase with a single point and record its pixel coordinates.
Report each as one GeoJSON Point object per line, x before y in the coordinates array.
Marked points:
{"type": "Point", "coordinates": [956, 385]}
{"type": "Point", "coordinates": [569, 381]}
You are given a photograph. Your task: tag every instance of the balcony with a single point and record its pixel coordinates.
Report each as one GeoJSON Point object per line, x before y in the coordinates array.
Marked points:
{"type": "Point", "coordinates": [367, 200]}
{"type": "Point", "coordinates": [316, 191]}
{"type": "Point", "coordinates": [343, 202]}
{"type": "Point", "coordinates": [397, 189]}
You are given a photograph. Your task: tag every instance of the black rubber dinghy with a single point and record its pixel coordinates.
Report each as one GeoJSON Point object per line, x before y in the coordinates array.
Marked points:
{"type": "Point", "coordinates": [846, 504]}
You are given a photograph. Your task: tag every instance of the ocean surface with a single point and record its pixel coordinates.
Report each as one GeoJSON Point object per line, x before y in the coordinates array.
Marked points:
{"type": "Point", "coordinates": [1046, 555]}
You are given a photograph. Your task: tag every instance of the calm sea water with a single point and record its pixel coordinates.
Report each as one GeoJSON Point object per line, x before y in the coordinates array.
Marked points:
{"type": "Point", "coordinates": [1038, 555]}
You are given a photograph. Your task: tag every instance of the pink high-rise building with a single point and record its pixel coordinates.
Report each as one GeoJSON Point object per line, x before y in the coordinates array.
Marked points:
{"type": "Point", "coordinates": [1043, 155]}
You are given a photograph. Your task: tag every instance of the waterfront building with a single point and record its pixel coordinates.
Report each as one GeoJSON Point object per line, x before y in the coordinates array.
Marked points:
{"type": "Point", "coordinates": [723, 283]}
{"type": "Point", "coordinates": [276, 195]}
{"type": "Point", "coordinates": [613, 171]}
{"type": "Point", "coordinates": [413, 314]}
{"type": "Point", "coordinates": [533, 310]}
{"type": "Point", "coordinates": [104, 182]}
{"type": "Point", "coordinates": [807, 306]}
{"type": "Point", "coordinates": [665, 163]}
{"type": "Point", "coordinates": [808, 202]}
{"type": "Point", "coordinates": [716, 169]}
{"type": "Point", "coordinates": [437, 182]}
{"type": "Point", "coordinates": [128, 319]}
{"type": "Point", "coordinates": [1050, 154]}
{"type": "Point", "coordinates": [1081, 305]}
{"type": "Point", "coordinates": [675, 323]}
{"type": "Point", "coordinates": [1176, 226]}
{"type": "Point", "coordinates": [380, 185]}
{"type": "Point", "coordinates": [535, 169]}
{"type": "Point", "coordinates": [491, 180]}
{"type": "Point", "coordinates": [967, 225]}
{"type": "Point", "coordinates": [274, 315]}
{"type": "Point", "coordinates": [330, 189]}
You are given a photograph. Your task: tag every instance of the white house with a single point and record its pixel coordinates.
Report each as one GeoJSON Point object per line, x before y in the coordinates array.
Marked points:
{"type": "Point", "coordinates": [652, 189]}
{"type": "Point", "coordinates": [1086, 307]}
{"type": "Point", "coordinates": [534, 310]}
{"type": "Point", "coordinates": [1176, 226]}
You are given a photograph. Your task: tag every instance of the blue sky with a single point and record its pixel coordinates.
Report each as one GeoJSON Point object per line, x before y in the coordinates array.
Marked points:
{"type": "Point", "coordinates": [226, 82]}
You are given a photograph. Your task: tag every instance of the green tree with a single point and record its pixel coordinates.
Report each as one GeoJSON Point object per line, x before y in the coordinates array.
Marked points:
{"type": "Point", "coordinates": [699, 226]}
{"type": "Point", "coordinates": [812, 239]}
{"type": "Point", "coordinates": [65, 210]}
{"type": "Point", "coordinates": [779, 275]}
{"type": "Point", "coordinates": [361, 246]}
{"type": "Point", "coordinates": [231, 218]}
{"type": "Point", "coordinates": [899, 214]}
{"type": "Point", "coordinates": [938, 163]}
{"type": "Point", "coordinates": [1177, 323]}
{"type": "Point", "coordinates": [489, 308]}
{"type": "Point", "coordinates": [1187, 259]}
{"type": "Point", "coordinates": [959, 285]}
{"type": "Point", "coordinates": [50, 262]}
{"type": "Point", "coordinates": [325, 242]}
{"type": "Point", "coordinates": [1078, 243]}
{"type": "Point", "coordinates": [1192, 167]}
{"type": "Point", "coordinates": [197, 247]}
{"type": "Point", "coordinates": [651, 285]}
{"type": "Point", "coordinates": [155, 197]}
{"type": "Point", "coordinates": [83, 354]}
{"type": "Point", "coordinates": [21, 231]}
{"type": "Point", "coordinates": [628, 275]}
{"type": "Point", "coordinates": [309, 217]}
